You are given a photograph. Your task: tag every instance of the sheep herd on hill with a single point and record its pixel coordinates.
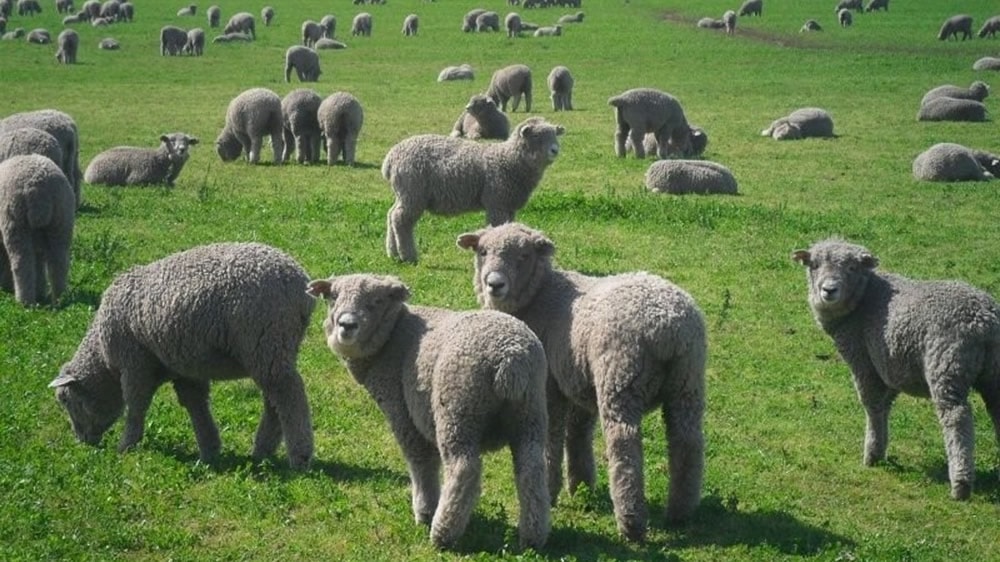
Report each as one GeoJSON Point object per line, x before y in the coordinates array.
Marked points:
{"type": "Point", "coordinates": [553, 353]}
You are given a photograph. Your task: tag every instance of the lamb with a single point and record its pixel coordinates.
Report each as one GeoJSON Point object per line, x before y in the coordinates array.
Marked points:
{"type": "Point", "coordinates": [690, 176]}
{"type": "Point", "coordinates": [29, 140]}
{"type": "Point", "coordinates": [111, 10]}
{"type": "Point", "coordinates": [448, 176]}
{"type": "Point", "coordinates": [127, 12]}
{"type": "Point", "coordinates": [452, 385]}
{"type": "Point", "coordinates": [560, 83]}
{"type": "Point", "coordinates": [251, 115]}
{"type": "Point", "coordinates": [977, 91]}
{"type": "Point", "coordinates": [241, 22]}
{"type": "Point", "coordinates": [189, 10]}
{"type": "Point", "coordinates": [28, 7]}
{"type": "Point", "coordinates": [410, 24]}
{"type": "Point", "coordinates": [548, 31]}
{"type": "Point", "coordinates": [990, 28]}
{"type": "Point", "coordinates": [236, 36]}
{"type": "Point", "coordinates": [729, 21]}
{"type": "Point", "coordinates": [810, 25]}
{"type": "Point", "coordinates": [617, 347]}
{"type": "Point", "coordinates": [698, 137]}
{"type": "Point", "coordinates": [300, 125]}
{"type": "Point", "coordinates": [461, 72]}
{"type": "Point", "coordinates": [109, 44]}
{"type": "Point", "coordinates": [952, 109]}
{"type": "Point", "coordinates": [92, 8]}
{"type": "Point", "coordinates": [954, 25]}
{"type": "Point", "coordinates": [324, 43]}
{"type": "Point", "coordinates": [305, 61]}
{"type": "Point", "coordinates": [37, 212]}
{"type": "Point", "coordinates": [711, 23]}
{"type": "Point", "coordinates": [39, 36]}
{"type": "Point", "coordinates": [986, 63]}
{"type": "Point", "coordinates": [69, 43]}
{"type": "Point", "coordinates": [875, 5]}
{"type": "Point", "coordinates": [845, 18]}
{"type": "Point", "coordinates": [340, 118]}
{"type": "Point", "coordinates": [751, 8]}
{"type": "Point", "coordinates": [267, 15]}
{"type": "Point", "coordinates": [311, 32]}
{"type": "Point", "coordinates": [362, 25]}
{"type": "Point", "coordinates": [481, 119]}
{"type": "Point", "coordinates": [512, 23]}
{"type": "Point", "coordinates": [214, 312]}
{"type": "Point", "coordinates": [214, 14]}
{"type": "Point", "coordinates": [511, 82]}
{"type": "Point", "coordinates": [63, 128]}
{"type": "Point", "coordinates": [644, 110]}
{"type": "Point", "coordinates": [17, 33]}
{"type": "Point", "coordinates": [570, 18]}
{"type": "Point", "coordinates": [469, 20]}
{"type": "Point", "coordinates": [953, 162]}
{"type": "Point", "coordinates": [64, 6]}
{"type": "Point", "coordinates": [195, 44]}
{"type": "Point", "coordinates": [329, 25]}
{"type": "Point", "coordinates": [172, 40]}
{"type": "Point", "coordinates": [127, 165]}
{"type": "Point", "coordinates": [935, 339]}
{"type": "Point", "coordinates": [800, 124]}
{"type": "Point", "coordinates": [488, 21]}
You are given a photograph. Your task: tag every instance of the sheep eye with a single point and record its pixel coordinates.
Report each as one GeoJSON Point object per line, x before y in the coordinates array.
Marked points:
{"type": "Point", "coordinates": [482, 252]}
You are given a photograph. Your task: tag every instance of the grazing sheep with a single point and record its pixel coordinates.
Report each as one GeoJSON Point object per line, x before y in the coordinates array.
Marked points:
{"type": "Point", "coordinates": [172, 40]}
{"type": "Point", "coordinates": [511, 82]}
{"type": "Point", "coordinates": [300, 124]}
{"type": "Point", "coordinates": [127, 12]}
{"type": "Point", "coordinates": [699, 141]}
{"type": "Point", "coordinates": [362, 25]}
{"type": "Point", "coordinates": [990, 28]}
{"type": "Point", "coordinates": [548, 31]}
{"type": "Point", "coordinates": [845, 18]}
{"type": "Point", "coordinates": [488, 21]}
{"type": "Point", "coordinates": [481, 119]}
{"type": "Point", "coordinates": [214, 14]}
{"type": "Point", "coordinates": [39, 36]}
{"type": "Point", "coordinates": [214, 312]}
{"type": "Point", "coordinates": [92, 8]}
{"type": "Point", "coordinates": [241, 22]}
{"type": "Point", "coordinates": [63, 128]}
{"type": "Point", "coordinates": [305, 61]}
{"type": "Point", "coordinates": [512, 23]}
{"type": "Point", "coordinates": [329, 25]}
{"type": "Point", "coordinates": [232, 37]}
{"type": "Point", "coordinates": [690, 176]}
{"type": "Point", "coordinates": [800, 124]}
{"type": "Point", "coordinates": [461, 72]}
{"type": "Point", "coordinates": [469, 20]}
{"type": "Point", "coordinates": [711, 23]}
{"type": "Point", "coordinates": [448, 176]}
{"type": "Point", "coordinates": [953, 162]}
{"type": "Point", "coordinates": [570, 18]}
{"type": "Point", "coordinates": [311, 32]}
{"type": "Point", "coordinates": [69, 43]}
{"type": "Point", "coordinates": [952, 109]}
{"type": "Point", "coordinates": [189, 10]}
{"type": "Point", "coordinates": [452, 385]}
{"type": "Point", "coordinates": [410, 24]}
{"type": "Point", "coordinates": [560, 83]}
{"type": "Point", "coordinates": [751, 8]}
{"type": "Point", "coordinates": [875, 5]}
{"type": "Point", "coordinates": [29, 140]}
{"type": "Point", "coordinates": [267, 15]}
{"type": "Point", "coordinates": [324, 43]}
{"type": "Point", "coordinates": [933, 339]}
{"type": "Point", "coordinates": [810, 25]}
{"type": "Point", "coordinates": [617, 347]}
{"type": "Point", "coordinates": [340, 118]}
{"type": "Point", "coordinates": [644, 110]}
{"type": "Point", "coordinates": [195, 44]}
{"type": "Point", "coordinates": [849, 5]}
{"type": "Point", "coordinates": [955, 24]}
{"type": "Point", "coordinates": [250, 116]}
{"type": "Point", "coordinates": [128, 165]}
{"type": "Point", "coordinates": [977, 91]}
{"type": "Point", "coordinates": [986, 63]}
{"type": "Point", "coordinates": [111, 10]}
{"type": "Point", "coordinates": [64, 6]}
{"type": "Point", "coordinates": [729, 21]}
{"type": "Point", "coordinates": [28, 7]}
{"type": "Point", "coordinates": [109, 44]}
{"type": "Point", "coordinates": [37, 212]}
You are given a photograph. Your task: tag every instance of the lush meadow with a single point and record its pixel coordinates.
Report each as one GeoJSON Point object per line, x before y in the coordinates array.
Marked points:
{"type": "Point", "coordinates": [784, 428]}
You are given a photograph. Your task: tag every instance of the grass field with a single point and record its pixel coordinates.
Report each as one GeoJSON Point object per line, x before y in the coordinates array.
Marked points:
{"type": "Point", "coordinates": [784, 428]}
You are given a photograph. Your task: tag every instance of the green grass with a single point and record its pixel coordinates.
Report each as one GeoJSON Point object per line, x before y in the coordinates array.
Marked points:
{"type": "Point", "coordinates": [783, 478]}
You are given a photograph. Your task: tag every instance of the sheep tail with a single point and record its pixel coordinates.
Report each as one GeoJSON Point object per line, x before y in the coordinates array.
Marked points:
{"type": "Point", "coordinates": [513, 375]}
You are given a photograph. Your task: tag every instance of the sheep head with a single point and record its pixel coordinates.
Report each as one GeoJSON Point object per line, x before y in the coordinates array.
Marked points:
{"type": "Point", "coordinates": [362, 311]}
{"type": "Point", "coordinates": [511, 262]}
{"type": "Point", "coordinates": [838, 274]}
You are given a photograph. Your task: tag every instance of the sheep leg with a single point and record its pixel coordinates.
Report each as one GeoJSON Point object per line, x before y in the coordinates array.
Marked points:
{"type": "Point", "coordinates": [21, 252]}
{"type": "Point", "coordinates": [528, 453]}
{"type": "Point", "coordinates": [497, 216]}
{"type": "Point", "coordinates": [193, 396]}
{"type": "Point", "coordinates": [57, 256]}
{"type": "Point", "coordinates": [6, 278]}
{"type": "Point", "coordinates": [332, 149]}
{"type": "Point", "coordinates": [515, 101]}
{"type": "Point", "coordinates": [284, 391]}
{"type": "Point", "coordinates": [555, 102]}
{"type": "Point", "coordinates": [256, 144]}
{"type": "Point", "coordinates": [350, 146]}
{"type": "Point", "coordinates": [422, 459]}
{"type": "Point", "coordinates": [558, 407]}
{"type": "Point", "coordinates": [278, 144]}
{"type": "Point", "coordinates": [402, 222]}
{"type": "Point", "coordinates": [268, 435]}
{"type": "Point", "coordinates": [314, 142]}
{"type": "Point", "coordinates": [568, 101]}
{"type": "Point", "coordinates": [462, 482]}
{"type": "Point", "coordinates": [527, 101]}
{"type": "Point", "coordinates": [580, 465]}
{"type": "Point", "coordinates": [301, 146]}
{"type": "Point", "coordinates": [40, 285]}
{"type": "Point", "coordinates": [877, 400]}
{"type": "Point", "coordinates": [247, 143]}
{"type": "Point", "coordinates": [951, 402]}
{"type": "Point", "coordinates": [621, 421]}
{"type": "Point", "coordinates": [683, 412]}
{"type": "Point", "coordinates": [990, 391]}
{"type": "Point", "coordinates": [139, 384]}
{"type": "Point", "coordinates": [635, 136]}
{"type": "Point", "coordinates": [621, 133]}
{"type": "Point", "coordinates": [289, 139]}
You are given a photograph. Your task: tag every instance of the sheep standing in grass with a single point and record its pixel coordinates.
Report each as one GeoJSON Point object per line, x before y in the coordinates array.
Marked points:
{"type": "Point", "coordinates": [249, 117]}
{"type": "Point", "coordinates": [329, 25]}
{"type": "Point", "coordinates": [729, 21]}
{"type": "Point", "coordinates": [977, 91]}
{"type": "Point", "coordinates": [953, 162]}
{"type": "Point", "coordinates": [512, 23]}
{"type": "Point", "coordinates": [644, 110]}
{"type": "Point", "coordinates": [452, 386]}
{"type": "Point", "coordinates": [301, 127]}
{"type": "Point", "coordinates": [511, 82]}
{"type": "Point", "coordinates": [560, 83]}
{"type": "Point", "coordinates": [195, 44]}
{"type": "Point", "coordinates": [127, 165]}
{"type": "Point", "coordinates": [311, 32]}
{"type": "Point", "coordinates": [481, 119]}
{"type": "Point", "coordinates": [800, 124]}
{"type": "Point", "coordinates": [111, 10]}
{"type": "Point", "coordinates": [461, 72]}
{"type": "Point", "coordinates": [845, 18]}
{"type": "Point", "coordinates": [28, 7]}
{"type": "Point", "coordinates": [448, 176]}
{"type": "Point", "coordinates": [29, 140]}
{"type": "Point", "coordinates": [63, 128]}
{"type": "Point", "coordinates": [954, 25]}
{"type": "Point", "coordinates": [469, 20]}
{"type": "Point", "coordinates": [241, 22]}
{"type": "Point", "coordinates": [340, 118]}
{"type": "Point", "coordinates": [990, 28]}
{"type": "Point", "coordinates": [127, 12]}
{"type": "Point", "coordinates": [64, 6]}
{"type": "Point", "coordinates": [698, 137]}
{"type": "Point", "coordinates": [751, 8]}
{"type": "Point", "coordinates": [93, 8]}
{"type": "Point", "coordinates": [305, 61]}
{"type": "Point", "coordinates": [410, 24]}
{"type": "Point", "coordinates": [172, 40]}
{"type": "Point", "coordinates": [69, 43]}
{"type": "Point", "coordinates": [214, 312]}
{"type": "Point", "coordinates": [876, 5]}
{"type": "Point", "coordinates": [214, 14]}
{"type": "Point", "coordinates": [37, 212]}
{"type": "Point", "coordinates": [267, 15]}
{"type": "Point", "coordinates": [952, 109]}
{"type": "Point", "coordinates": [936, 339]}
{"type": "Point", "coordinates": [617, 347]}
{"type": "Point", "coordinates": [362, 25]}
{"type": "Point", "coordinates": [690, 176]}
{"type": "Point", "coordinates": [849, 5]}
{"type": "Point", "coordinates": [488, 21]}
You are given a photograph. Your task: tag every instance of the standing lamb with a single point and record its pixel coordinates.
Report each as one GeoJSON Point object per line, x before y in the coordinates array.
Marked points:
{"type": "Point", "coordinates": [448, 176]}
{"type": "Point", "coordinates": [452, 385]}
{"type": "Point", "coordinates": [127, 12]}
{"type": "Point", "coordinates": [955, 24]}
{"type": "Point", "coordinates": [329, 25]}
{"type": "Point", "coordinates": [195, 44]}
{"type": "Point", "coordinates": [172, 40]}
{"type": "Point", "coordinates": [512, 22]}
{"type": "Point", "coordinates": [241, 22]}
{"type": "Point", "coordinates": [111, 10]}
{"type": "Point", "coordinates": [305, 61]}
{"type": "Point", "coordinates": [952, 109]}
{"type": "Point", "coordinates": [729, 21]}
{"type": "Point", "coordinates": [953, 162]}
{"type": "Point", "coordinates": [410, 24]}
{"type": "Point", "coordinates": [644, 110]}
{"type": "Point", "coordinates": [990, 28]}
{"type": "Point", "coordinates": [267, 15]}
{"type": "Point", "coordinates": [617, 347]}
{"type": "Point", "coordinates": [751, 8]}
{"type": "Point", "coordinates": [481, 119]}
{"type": "Point", "coordinates": [469, 20]}
{"type": "Point", "coordinates": [511, 82]}
{"type": "Point", "coordinates": [69, 43]}
{"type": "Point", "coordinates": [849, 5]}
{"type": "Point", "coordinates": [461, 72]}
{"type": "Point", "coordinates": [214, 312]}
{"type": "Point", "coordinates": [311, 32]}
{"type": "Point", "coordinates": [63, 128]}
{"type": "Point", "coordinates": [362, 25]}
{"type": "Point", "coordinates": [249, 117]}
{"type": "Point", "coordinates": [340, 119]}
{"type": "Point", "coordinates": [186, 11]}
{"type": "Point", "coordinates": [977, 91]}
{"type": "Point", "coordinates": [37, 212]}
{"type": "Point", "coordinates": [128, 165]}
{"type": "Point", "coordinates": [690, 176]}
{"type": "Point", "coordinates": [300, 125]}
{"type": "Point", "coordinates": [875, 5]}
{"type": "Point", "coordinates": [214, 14]}
{"type": "Point", "coordinates": [800, 124]}
{"type": "Point", "coordinates": [845, 18]}
{"type": "Point", "coordinates": [560, 83]}
{"type": "Point", "coordinates": [936, 339]}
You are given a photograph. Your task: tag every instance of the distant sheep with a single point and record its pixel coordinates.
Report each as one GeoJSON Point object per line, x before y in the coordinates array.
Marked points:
{"type": "Point", "coordinates": [990, 28]}
{"type": "Point", "coordinates": [340, 118]}
{"type": "Point", "coordinates": [461, 72]}
{"type": "Point", "coordinates": [214, 14]}
{"type": "Point", "coordinates": [300, 125]}
{"type": "Point", "coordinates": [570, 18]}
{"type": "Point", "coordinates": [234, 37]}
{"type": "Point", "coordinates": [93, 8]}
{"type": "Point", "coordinates": [324, 43]}
{"type": "Point", "coordinates": [512, 23]}
{"type": "Point", "coordinates": [127, 12]}
{"type": "Point", "coordinates": [250, 117]}
{"type": "Point", "coordinates": [711, 23]}
{"type": "Point", "coordinates": [16, 33]}
{"type": "Point", "coordinates": [305, 61]}
{"type": "Point", "coordinates": [109, 44]}
{"type": "Point", "coordinates": [195, 44]}
{"type": "Point", "coordinates": [729, 21]}
{"type": "Point", "coordinates": [39, 36]}
{"type": "Point", "coordinates": [172, 40]}
{"type": "Point", "coordinates": [845, 18]}
{"type": "Point", "coordinates": [28, 7]}
{"type": "Point", "coordinates": [64, 6]}
{"type": "Point", "coordinates": [978, 91]}
{"type": "Point", "coordinates": [986, 63]}
{"type": "Point", "coordinates": [187, 11]}
{"type": "Point", "coordinates": [362, 25]}
{"type": "Point", "coordinates": [241, 22]}
{"type": "Point", "coordinates": [111, 10]}
{"type": "Point", "coordinates": [329, 25]}
{"type": "Point", "coordinates": [849, 5]}
{"type": "Point", "coordinates": [488, 21]}
{"type": "Point", "coordinates": [560, 83]}
{"type": "Point", "coordinates": [469, 20]}
{"type": "Point", "coordinates": [267, 15]}
{"type": "Point", "coordinates": [751, 8]}
{"type": "Point", "coordinates": [68, 20]}
{"type": "Point", "coordinates": [481, 119]}
{"type": "Point", "coordinates": [511, 82]}
{"type": "Point", "coordinates": [128, 165]}
{"type": "Point", "coordinates": [875, 5]}
{"type": "Point", "coordinates": [952, 109]}
{"type": "Point", "coordinates": [698, 138]}
{"type": "Point", "coordinates": [644, 110]}
{"type": "Point", "coordinates": [64, 129]}
{"type": "Point", "coordinates": [311, 32]}
{"type": "Point", "coordinates": [801, 123]}
{"type": "Point", "coordinates": [690, 176]}
{"type": "Point", "coordinates": [69, 43]}
{"type": "Point", "coordinates": [954, 25]}
{"type": "Point", "coordinates": [410, 25]}
{"type": "Point", "coordinates": [953, 162]}
{"type": "Point", "coordinates": [100, 22]}
{"type": "Point", "coordinates": [548, 31]}
{"type": "Point", "coordinates": [810, 25]}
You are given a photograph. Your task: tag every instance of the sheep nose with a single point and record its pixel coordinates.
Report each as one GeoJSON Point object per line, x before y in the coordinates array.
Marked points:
{"type": "Point", "coordinates": [347, 324]}
{"type": "Point", "coordinates": [829, 292]}
{"type": "Point", "coordinates": [496, 284]}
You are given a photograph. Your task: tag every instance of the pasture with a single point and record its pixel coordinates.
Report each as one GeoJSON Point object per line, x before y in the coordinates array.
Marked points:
{"type": "Point", "coordinates": [783, 426]}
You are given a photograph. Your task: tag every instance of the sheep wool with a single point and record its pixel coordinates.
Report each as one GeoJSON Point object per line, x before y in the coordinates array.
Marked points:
{"type": "Point", "coordinates": [751, 8]}
{"type": "Point", "coordinates": [29, 140]}
{"type": "Point", "coordinates": [69, 43]}
{"type": "Point", "coordinates": [481, 119]}
{"type": "Point", "coordinates": [128, 165]}
{"type": "Point", "coordinates": [560, 82]}
{"type": "Point", "coordinates": [305, 61]}
{"type": "Point", "coordinates": [801, 123]}
{"type": "Point", "coordinates": [340, 120]}
{"type": "Point", "coordinates": [362, 25]}
{"type": "Point", "coordinates": [242, 22]}
{"type": "Point", "coordinates": [461, 72]}
{"type": "Point", "coordinates": [252, 115]}
{"type": "Point", "coordinates": [953, 162]}
{"type": "Point", "coordinates": [511, 82]}
{"type": "Point", "coordinates": [644, 110]}
{"type": "Point", "coordinates": [954, 25]}
{"type": "Point", "coordinates": [690, 176]}
{"type": "Point", "coordinates": [952, 109]}
{"type": "Point", "coordinates": [61, 126]}
{"type": "Point", "coordinates": [977, 91]}
{"type": "Point", "coordinates": [300, 125]}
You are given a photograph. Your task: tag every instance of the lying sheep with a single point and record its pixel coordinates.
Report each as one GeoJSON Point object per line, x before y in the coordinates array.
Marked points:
{"type": "Point", "coordinates": [488, 21]}
{"type": "Point", "coordinates": [729, 21]}
{"type": "Point", "coordinates": [512, 23]}
{"type": "Point", "coordinates": [711, 23]}
{"type": "Point", "coordinates": [68, 20]}
{"type": "Point", "coordinates": [232, 37]}
{"type": "Point", "coordinates": [37, 212]}
{"type": "Point", "coordinates": [469, 20]}
{"type": "Point", "coordinates": [127, 165]}
{"type": "Point", "coordinates": [617, 347]}
{"type": "Point", "coordinates": [644, 110]}
{"type": "Point", "coordinates": [100, 22]}
{"type": "Point", "coordinates": [452, 385]}
{"type": "Point", "coordinates": [305, 61]}
{"type": "Point", "coordinates": [241, 22]}
{"type": "Point", "coordinates": [214, 14]}
{"type": "Point", "coordinates": [267, 15]}
{"type": "Point", "coordinates": [977, 91]}
{"type": "Point", "coordinates": [172, 40]}
{"type": "Point", "coordinates": [953, 162]}
{"type": "Point", "coordinates": [548, 31]}
{"type": "Point", "coordinates": [528, 26]}
{"type": "Point", "coordinates": [990, 28]}
{"type": "Point", "coordinates": [986, 63]}
{"type": "Point", "coordinates": [69, 43]}
{"type": "Point", "coordinates": [64, 129]}
{"type": "Point", "coordinates": [195, 44]}
{"type": "Point", "coordinates": [250, 116]}
{"type": "Point", "coordinates": [698, 138]}
{"type": "Point", "coordinates": [875, 5]}
{"type": "Point", "coordinates": [448, 176]}
{"type": "Point", "coordinates": [29, 140]}
{"type": "Point", "coordinates": [461, 72]}
{"type": "Point", "coordinates": [801, 123]}
{"type": "Point", "coordinates": [215, 312]}
{"type": "Point", "coordinates": [481, 119]}
{"type": "Point", "coordinates": [751, 8]}
{"type": "Point", "coordinates": [311, 32]}
{"type": "Point", "coordinates": [109, 44]}
{"type": "Point", "coordinates": [810, 25]}
{"type": "Point", "coordinates": [16, 33]}
{"type": "Point", "coordinates": [952, 109]}
{"type": "Point", "coordinates": [186, 11]}
{"type": "Point", "coordinates": [324, 43]}
{"type": "Point", "coordinates": [300, 125]}
{"type": "Point", "coordinates": [560, 83]}
{"type": "Point", "coordinates": [340, 118]}
{"type": "Point", "coordinates": [845, 18]}
{"type": "Point", "coordinates": [329, 25]}
{"type": "Point", "coordinates": [362, 25]}
{"type": "Point", "coordinates": [39, 36]}
{"type": "Point", "coordinates": [954, 25]}
{"type": "Point", "coordinates": [935, 339]}
{"type": "Point", "coordinates": [690, 176]}
{"type": "Point", "coordinates": [511, 82]}
{"type": "Point", "coordinates": [570, 18]}
{"type": "Point", "coordinates": [410, 24]}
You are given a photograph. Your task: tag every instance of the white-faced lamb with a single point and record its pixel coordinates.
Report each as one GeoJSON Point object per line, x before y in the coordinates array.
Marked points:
{"type": "Point", "coordinates": [251, 116]}
{"type": "Point", "coordinates": [954, 25]}
{"type": "Point", "coordinates": [801, 123]}
{"type": "Point", "coordinates": [845, 18]}
{"type": "Point", "coordinates": [109, 44]}
{"type": "Point", "coordinates": [449, 176]}
{"type": "Point", "coordinates": [810, 25]}
{"type": "Point", "coordinates": [952, 109]}
{"type": "Point", "coordinates": [37, 212]}
{"type": "Point", "coordinates": [362, 25]}
{"type": "Point", "coordinates": [324, 43]}
{"type": "Point", "coordinates": [29, 140]}
{"type": "Point", "coordinates": [511, 82]}
{"type": "Point", "coordinates": [301, 127]}
{"type": "Point", "coordinates": [305, 61]}
{"type": "Point", "coordinates": [241, 22]}
{"type": "Point", "coordinates": [954, 162]}
{"type": "Point", "coordinates": [990, 27]}
{"type": "Point", "coordinates": [560, 83]}
{"type": "Point", "coordinates": [481, 119]}
{"type": "Point", "coordinates": [751, 8]}
{"type": "Point", "coordinates": [548, 31]}
{"type": "Point", "coordinates": [933, 339]}
{"type": "Point", "coordinates": [410, 25]}
{"type": "Point", "coordinates": [69, 43]}
{"type": "Point", "coordinates": [340, 118]}
{"type": "Point", "coordinates": [267, 15]}
{"type": "Point", "coordinates": [172, 40]}
{"type": "Point", "coordinates": [189, 10]}
{"type": "Point", "coordinates": [129, 165]}
{"type": "Point", "coordinates": [64, 129]}
{"type": "Point", "coordinates": [452, 385]}
{"type": "Point", "coordinates": [39, 36]}
{"type": "Point", "coordinates": [195, 44]}
{"type": "Point", "coordinates": [875, 5]}
{"type": "Point", "coordinates": [690, 176]}
{"type": "Point", "coordinates": [461, 72]}
{"type": "Point", "coordinates": [977, 91]}
{"type": "Point", "coordinates": [329, 25]}
{"type": "Point", "coordinates": [469, 19]}
{"type": "Point", "coordinates": [214, 312]}
{"type": "Point", "coordinates": [617, 347]}
{"type": "Point", "coordinates": [644, 110]}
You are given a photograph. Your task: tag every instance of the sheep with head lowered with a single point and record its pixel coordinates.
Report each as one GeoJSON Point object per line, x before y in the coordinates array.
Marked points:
{"type": "Point", "coordinates": [617, 347]}
{"type": "Point", "coordinates": [986, 63]}
{"type": "Point", "coordinates": [449, 176]}
{"type": "Point", "coordinates": [410, 25]}
{"type": "Point", "coordinates": [128, 165]}
{"type": "Point", "coordinates": [690, 176]}
{"type": "Point", "coordinates": [876, 5]}
{"type": "Point", "coordinates": [172, 40]}
{"type": "Point", "coordinates": [698, 137]}
{"type": "Point", "coordinates": [849, 5]}
{"type": "Point", "coordinates": [977, 91]}
{"type": "Point", "coordinates": [195, 44]}
{"type": "Point", "coordinates": [845, 18]}
{"type": "Point", "coordinates": [953, 162]}
{"type": "Point", "coordinates": [511, 82]}
{"type": "Point", "coordinates": [301, 127]}
{"type": "Point", "coordinates": [481, 119]}
{"type": "Point", "coordinates": [340, 120]}
{"type": "Point", "coordinates": [990, 27]}
{"type": "Point", "coordinates": [69, 43]}
{"type": "Point", "coordinates": [512, 23]}
{"type": "Point", "coordinates": [241, 22]}
{"type": "Point", "coordinates": [216, 312]}
{"type": "Point", "coordinates": [644, 110]}
{"type": "Point", "coordinates": [214, 15]}
{"type": "Point", "coordinates": [729, 22]}
{"type": "Point", "coordinates": [61, 126]}
{"type": "Point", "coordinates": [952, 109]}
{"type": "Point", "coordinates": [801, 123]}
{"type": "Point", "coordinates": [469, 19]}
{"type": "Point", "coordinates": [250, 116]}
{"type": "Point", "coordinates": [488, 21]}
{"type": "Point", "coordinates": [362, 25]}
{"type": "Point", "coordinates": [452, 386]}
{"type": "Point", "coordinates": [29, 140]}
{"type": "Point", "coordinates": [267, 15]}
{"type": "Point", "coordinates": [311, 32]}
{"type": "Point", "coordinates": [305, 61]}
{"type": "Point", "coordinates": [932, 339]}
{"type": "Point", "coordinates": [329, 25]}
{"type": "Point", "coordinates": [954, 25]}
{"type": "Point", "coordinates": [560, 83]}
{"type": "Point", "coordinates": [751, 8]}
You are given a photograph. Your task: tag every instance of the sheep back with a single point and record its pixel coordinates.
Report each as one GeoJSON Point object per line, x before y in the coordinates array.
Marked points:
{"type": "Point", "coordinates": [461, 72]}
{"type": "Point", "coordinates": [242, 22]}
{"type": "Point", "coordinates": [644, 110]}
{"type": "Point", "coordinates": [948, 162]}
{"type": "Point", "coordinates": [690, 176]}
{"type": "Point", "coordinates": [954, 25]}
{"type": "Point", "coordinates": [250, 116]}
{"type": "Point", "coordinates": [977, 91]}
{"type": "Point", "coordinates": [29, 140]}
{"type": "Point", "coordinates": [172, 40]}
{"type": "Point", "coordinates": [560, 82]}
{"type": "Point", "coordinates": [305, 61]}
{"type": "Point", "coordinates": [341, 117]}
{"type": "Point", "coordinates": [481, 119]}
{"type": "Point", "coordinates": [800, 124]}
{"type": "Point", "coordinates": [511, 82]}
{"type": "Point", "coordinates": [61, 126]}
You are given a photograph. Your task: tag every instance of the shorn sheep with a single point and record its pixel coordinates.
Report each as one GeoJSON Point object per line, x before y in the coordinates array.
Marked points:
{"type": "Point", "coordinates": [128, 165]}
{"type": "Point", "coordinates": [37, 213]}
{"type": "Point", "coordinates": [252, 115]}
{"type": "Point", "coordinates": [215, 312]}
{"type": "Point", "coordinates": [511, 82]}
{"type": "Point", "coordinates": [644, 110]}
{"type": "Point", "coordinates": [452, 385]}
{"type": "Point", "coordinates": [61, 126]}
{"type": "Point", "coordinates": [751, 8]}
{"type": "Point", "coordinates": [305, 61]}
{"type": "Point", "coordinates": [301, 127]}
{"type": "Point", "coordinates": [952, 109]}
{"type": "Point", "coordinates": [340, 120]}
{"type": "Point", "coordinates": [990, 27]}
{"type": "Point", "coordinates": [617, 347]}
{"type": "Point", "coordinates": [560, 83]}
{"type": "Point", "coordinates": [934, 339]}
{"type": "Point", "coordinates": [481, 119]}
{"type": "Point", "coordinates": [953, 162]}
{"type": "Point", "coordinates": [362, 25]}
{"type": "Point", "coordinates": [449, 176]}
{"type": "Point", "coordinates": [977, 91]}
{"type": "Point", "coordinates": [69, 43]}
{"type": "Point", "coordinates": [690, 176]}
{"type": "Point", "coordinates": [801, 123]}
{"type": "Point", "coordinates": [954, 25]}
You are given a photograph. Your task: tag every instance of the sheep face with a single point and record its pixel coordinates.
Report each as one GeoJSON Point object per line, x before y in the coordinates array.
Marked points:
{"type": "Point", "coordinates": [837, 273]}
{"type": "Point", "coordinates": [363, 310]}
{"type": "Point", "coordinates": [481, 105]}
{"type": "Point", "coordinates": [540, 137]}
{"type": "Point", "coordinates": [178, 146]}
{"type": "Point", "coordinates": [786, 130]}
{"type": "Point", "coordinates": [509, 260]}
{"type": "Point", "coordinates": [91, 398]}
{"type": "Point", "coordinates": [228, 146]}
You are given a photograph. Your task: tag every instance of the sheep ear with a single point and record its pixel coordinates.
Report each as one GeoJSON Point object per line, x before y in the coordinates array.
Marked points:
{"type": "Point", "coordinates": [869, 261]}
{"type": "Point", "coordinates": [468, 241]}
{"type": "Point", "coordinates": [525, 130]}
{"type": "Point", "coordinates": [397, 290]}
{"type": "Point", "coordinates": [165, 139]}
{"type": "Point", "coordinates": [320, 288]}
{"type": "Point", "coordinates": [801, 256]}
{"type": "Point", "coordinates": [62, 380]}
{"type": "Point", "coordinates": [544, 247]}
{"type": "Point", "coordinates": [560, 130]}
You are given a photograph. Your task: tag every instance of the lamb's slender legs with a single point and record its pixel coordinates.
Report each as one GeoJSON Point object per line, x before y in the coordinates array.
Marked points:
{"type": "Point", "coordinates": [621, 134]}
{"type": "Point", "coordinates": [314, 141]}
{"type": "Point", "coordinates": [193, 396]}
{"type": "Point", "coordinates": [332, 149]}
{"type": "Point", "coordinates": [462, 486]}
{"type": "Point", "coordinates": [990, 392]}
{"type": "Point", "coordinates": [57, 256]}
{"type": "Point", "coordinates": [21, 253]}
{"type": "Point", "coordinates": [951, 402]}
{"type": "Point", "coordinates": [268, 435]}
{"type": "Point", "coordinates": [636, 136]}
{"type": "Point", "coordinates": [683, 411]}
{"type": "Point", "coordinates": [350, 146]}
{"type": "Point", "coordinates": [528, 451]}
{"type": "Point", "coordinates": [558, 407]}
{"type": "Point", "coordinates": [289, 140]}
{"type": "Point", "coordinates": [623, 438]}
{"type": "Point", "coordinates": [41, 286]}
{"type": "Point", "coordinates": [527, 101]}
{"type": "Point", "coordinates": [284, 391]}
{"type": "Point", "coordinates": [877, 400]}
{"type": "Point", "coordinates": [580, 465]}
{"type": "Point", "coordinates": [139, 384]}
{"type": "Point", "coordinates": [515, 101]}
{"type": "Point", "coordinates": [402, 221]}
{"type": "Point", "coordinates": [278, 144]}
{"type": "Point", "coordinates": [424, 465]}
{"type": "Point", "coordinates": [568, 101]}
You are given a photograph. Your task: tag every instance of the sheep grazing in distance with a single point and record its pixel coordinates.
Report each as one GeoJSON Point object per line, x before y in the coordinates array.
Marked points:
{"type": "Point", "coordinates": [267, 15]}
{"type": "Point", "coordinates": [195, 44]}
{"type": "Point", "coordinates": [448, 176]}
{"type": "Point", "coordinates": [954, 25]}
{"type": "Point", "coordinates": [127, 12]}
{"type": "Point", "coordinates": [300, 125]}
{"type": "Point", "coordinates": [849, 5]}
{"type": "Point", "coordinates": [644, 110]}
{"type": "Point", "coordinates": [189, 10]}
{"type": "Point", "coordinates": [560, 83]}
{"type": "Point", "coordinates": [512, 23]}
{"type": "Point", "coordinates": [410, 25]}
{"type": "Point", "coordinates": [511, 82]}
{"type": "Point", "coordinates": [29, 140]}
{"type": "Point", "coordinates": [469, 20]}
{"type": "Point", "coordinates": [172, 40]}
{"type": "Point", "coordinates": [109, 44]}
{"type": "Point", "coordinates": [69, 43]}
{"type": "Point", "coordinates": [127, 165]}
{"type": "Point", "coordinates": [305, 61]}
{"type": "Point", "coordinates": [990, 28]}
{"type": "Point", "coordinates": [241, 22]}
{"type": "Point", "coordinates": [362, 25]}
{"type": "Point", "coordinates": [329, 25]}
{"type": "Point", "coordinates": [548, 31]}
{"type": "Point", "coordinates": [64, 6]}
{"type": "Point", "coordinates": [250, 116]}
{"type": "Point", "coordinates": [751, 8]}
{"type": "Point", "coordinates": [845, 18]}
{"type": "Point", "coordinates": [214, 312]}
{"type": "Point", "coordinates": [952, 109]}
{"type": "Point", "coordinates": [953, 162]}
{"type": "Point", "coordinates": [481, 119]}
{"type": "Point", "coordinates": [324, 43]}
{"type": "Point", "coordinates": [340, 118]}
{"type": "Point", "coordinates": [617, 347]}
{"type": "Point", "coordinates": [801, 123]}
{"type": "Point", "coordinates": [690, 176]}
{"type": "Point", "coordinates": [461, 72]}
{"type": "Point", "coordinates": [39, 36]}
{"type": "Point", "coordinates": [810, 25]}
{"type": "Point", "coordinates": [699, 142]}
{"type": "Point", "coordinates": [570, 18]}
{"type": "Point", "coordinates": [93, 8]}
{"type": "Point", "coordinates": [232, 37]}
{"type": "Point", "coordinates": [37, 212]}
{"type": "Point", "coordinates": [61, 126]}
{"type": "Point", "coordinates": [729, 21]}
{"type": "Point", "coordinates": [528, 26]}
{"type": "Point", "coordinates": [214, 14]}
{"type": "Point", "coordinates": [711, 23]}
{"type": "Point", "coordinates": [28, 7]}
{"type": "Point", "coordinates": [311, 32]}
{"type": "Point", "coordinates": [111, 10]}
{"type": "Point", "coordinates": [935, 339]}
{"type": "Point", "coordinates": [488, 21]}
{"type": "Point", "coordinates": [875, 5]}
{"type": "Point", "coordinates": [452, 385]}
{"type": "Point", "coordinates": [978, 91]}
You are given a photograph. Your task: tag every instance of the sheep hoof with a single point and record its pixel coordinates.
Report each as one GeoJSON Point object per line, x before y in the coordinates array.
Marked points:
{"type": "Point", "coordinates": [961, 490]}
{"type": "Point", "coordinates": [633, 528]}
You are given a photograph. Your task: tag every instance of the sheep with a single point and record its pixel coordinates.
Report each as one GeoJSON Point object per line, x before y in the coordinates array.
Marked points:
{"type": "Point", "coordinates": [711, 23]}
{"type": "Point", "coordinates": [570, 18]}
{"type": "Point", "coordinates": [481, 119]}
{"type": "Point", "coordinates": [267, 15]}
{"type": "Point", "coordinates": [39, 36]}
{"type": "Point", "coordinates": [548, 31]}
{"type": "Point", "coordinates": [644, 110]}
{"type": "Point", "coordinates": [511, 82]}
{"type": "Point", "coordinates": [448, 176]}
{"type": "Point", "coordinates": [488, 21]}
{"type": "Point", "coordinates": [64, 129]}
{"type": "Point", "coordinates": [214, 312]}
{"type": "Point", "coordinates": [69, 43]}
{"type": "Point", "coordinates": [452, 385]}
{"type": "Point", "coordinates": [127, 12]}
{"type": "Point", "coordinates": [37, 212]}
{"type": "Point", "coordinates": [128, 165]}
{"type": "Point", "coordinates": [189, 10]}
{"type": "Point", "coordinates": [461, 72]}
{"type": "Point", "coordinates": [251, 115]}
{"type": "Point", "coordinates": [214, 14]}
{"type": "Point", "coordinates": [110, 10]}
{"type": "Point", "coordinates": [875, 5]}
{"type": "Point", "coordinates": [300, 125]}
{"type": "Point", "coordinates": [934, 339]}
{"type": "Point", "coordinates": [172, 40]}
{"type": "Point", "coordinates": [362, 25]}
{"type": "Point", "coordinates": [690, 176]}
{"type": "Point", "coordinates": [986, 63]}
{"type": "Point", "coordinates": [953, 162]}
{"type": "Point", "coordinates": [990, 28]}
{"type": "Point", "coordinates": [232, 37]}
{"type": "Point", "coordinates": [64, 6]}
{"type": "Point", "coordinates": [955, 24]}
{"type": "Point", "coordinates": [195, 44]}
{"type": "Point", "coordinates": [29, 140]}
{"type": "Point", "coordinates": [469, 20]}
{"type": "Point", "coordinates": [617, 347]}
{"type": "Point", "coordinates": [28, 7]}
{"type": "Point", "coordinates": [952, 109]}
{"type": "Point", "coordinates": [560, 83]}
{"type": "Point", "coordinates": [698, 138]}
{"type": "Point", "coordinates": [410, 24]}
{"type": "Point", "coordinates": [729, 21]}
{"type": "Point", "coordinates": [977, 91]}
{"type": "Point", "coordinates": [845, 18]}
{"type": "Point", "coordinates": [109, 44]}
{"type": "Point", "coordinates": [311, 32]}
{"type": "Point", "coordinates": [305, 61]}
{"type": "Point", "coordinates": [100, 22]}
{"type": "Point", "coordinates": [68, 20]}
{"type": "Point", "coordinates": [329, 25]}
{"type": "Point", "coordinates": [17, 33]}
{"type": "Point", "coordinates": [800, 124]}
{"type": "Point", "coordinates": [512, 23]}
{"type": "Point", "coordinates": [849, 5]}
{"type": "Point", "coordinates": [528, 26]}
{"type": "Point", "coordinates": [92, 8]}
{"type": "Point", "coordinates": [324, 43]}
{"type": "Point", "coordinates": [3, 24]}
{"type": "Point", "coordinates": [810, 25]}
{"type": "Point", "coordinates": [241, 22]}
{"type": "Point", "coordinates": [340, 118]}
{"type": "Point", "coordinates": [751, 8]}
